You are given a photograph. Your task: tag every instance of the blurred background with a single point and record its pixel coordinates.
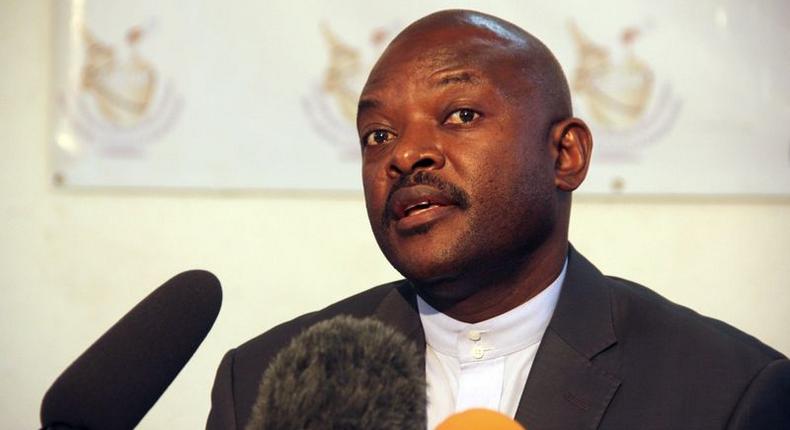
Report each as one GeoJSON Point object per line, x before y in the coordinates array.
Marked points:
{"type": "Point", "coordinates": [237, 156]}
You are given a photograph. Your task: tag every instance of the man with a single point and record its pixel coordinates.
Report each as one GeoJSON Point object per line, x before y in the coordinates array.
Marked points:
{"type": "Point", "coordinates": [470, 154]}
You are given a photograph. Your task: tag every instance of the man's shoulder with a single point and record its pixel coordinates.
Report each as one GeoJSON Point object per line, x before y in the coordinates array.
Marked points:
{"type": "Point", "coordinates": [676, 364]}
{"type": "Point", "coordinates": [644, 317]}
{"type": "Point", "coordinates": [649, 328]}
{"type": "Point", "coordinates": [236, 385]}
{"type": "Point", "coordinates": [360, 305]}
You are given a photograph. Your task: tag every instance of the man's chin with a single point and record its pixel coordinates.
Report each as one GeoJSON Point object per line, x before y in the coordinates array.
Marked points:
{"type": "Point", "coordinates": [429, 254]}
{"type": "Point", "coordinates": [443, 292]}
{"type": "Point", "coordinates": [438, 277]}
{"type": "Point", "coordinates": [421, 274]}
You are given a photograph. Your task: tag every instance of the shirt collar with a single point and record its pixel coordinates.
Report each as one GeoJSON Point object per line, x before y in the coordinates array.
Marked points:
{"type": "Point", "coordinates": [504, 334]}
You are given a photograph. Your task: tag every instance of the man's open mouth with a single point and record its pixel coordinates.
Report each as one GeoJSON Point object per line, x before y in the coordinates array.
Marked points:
{"type": "Point", "coordinates": [417, 208]}
{"type": "Point", "coordinates": [417, 199]}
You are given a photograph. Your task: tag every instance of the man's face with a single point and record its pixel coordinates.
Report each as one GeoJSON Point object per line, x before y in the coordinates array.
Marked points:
{"type": "Point", "coordinates": [457, 172]}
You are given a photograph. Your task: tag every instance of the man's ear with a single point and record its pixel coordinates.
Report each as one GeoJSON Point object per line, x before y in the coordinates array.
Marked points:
{"type": "Point", "coordinates": [571, 143]}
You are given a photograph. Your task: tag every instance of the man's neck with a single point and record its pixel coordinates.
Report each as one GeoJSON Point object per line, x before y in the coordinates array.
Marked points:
{"type": "Point", "coordinates": [499, 288]}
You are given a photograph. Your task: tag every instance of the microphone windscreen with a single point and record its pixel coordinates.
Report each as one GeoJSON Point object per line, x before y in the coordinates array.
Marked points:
{"type": "Point", "coordinates": [343, 373]}
{"type": "Point", "coordinates": [114, 383]}
{"type": "Point", "coordinates": [477, 419]}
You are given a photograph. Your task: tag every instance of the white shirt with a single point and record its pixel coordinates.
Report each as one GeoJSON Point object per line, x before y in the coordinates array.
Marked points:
{"type": "Point", "coordinates": [485, 364]}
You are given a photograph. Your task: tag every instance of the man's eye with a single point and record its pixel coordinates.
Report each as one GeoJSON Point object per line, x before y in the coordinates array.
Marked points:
{"type": "Point", "coordinates": [378, 137]}
{"type": "Point", "coordinates": [462, 116]}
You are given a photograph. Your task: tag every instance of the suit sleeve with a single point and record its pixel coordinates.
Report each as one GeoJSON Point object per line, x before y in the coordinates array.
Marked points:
{"type": "Point", "coordinates": [223, 413]}
{"type": "Point", "coordinates": [766, 402]}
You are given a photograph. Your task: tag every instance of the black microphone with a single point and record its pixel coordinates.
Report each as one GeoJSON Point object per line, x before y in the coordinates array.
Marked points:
{"type": "Point", "coordinates": [343, 373]}
{"type": "Point", "coordinates": [114, 383]}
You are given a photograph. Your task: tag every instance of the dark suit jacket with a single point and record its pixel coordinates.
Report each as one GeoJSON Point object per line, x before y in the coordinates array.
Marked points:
{"type": "Point", "coordinates": [615, 356]}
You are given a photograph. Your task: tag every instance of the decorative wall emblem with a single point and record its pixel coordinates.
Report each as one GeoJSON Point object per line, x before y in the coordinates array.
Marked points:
{"type": "Point", "coordinates": [331, 104]}
{"type": "Point", "coordinates": [627, 106]}
{"type": "Point", "coordinates": [121, 102]}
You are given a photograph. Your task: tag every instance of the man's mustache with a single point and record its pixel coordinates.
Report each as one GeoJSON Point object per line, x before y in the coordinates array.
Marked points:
{"type": "Point", "coordinates": [422, 177]}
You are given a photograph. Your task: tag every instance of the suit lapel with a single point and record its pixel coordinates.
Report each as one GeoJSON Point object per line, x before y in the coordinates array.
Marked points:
{"type": "Point", "coordinates": [566, 389]}
{"type": "Point", "coordinates": [398, 309]}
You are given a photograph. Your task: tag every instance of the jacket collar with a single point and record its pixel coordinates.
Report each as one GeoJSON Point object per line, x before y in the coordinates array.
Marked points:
{"type": "Point", "coordinates": [566, 389]}
{"type": "Point", "coordinates": [398, 309]}
{"type": "Point", "coordinates": [583, 317]}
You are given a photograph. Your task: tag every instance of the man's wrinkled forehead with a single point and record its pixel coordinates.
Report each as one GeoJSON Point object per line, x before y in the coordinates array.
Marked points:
{"type": "Point", "coordinates": [461, 41]}
{"type": "Point", "coordinates": [433, 54]}
{"type": "Point", "coordinates": [470, 46]}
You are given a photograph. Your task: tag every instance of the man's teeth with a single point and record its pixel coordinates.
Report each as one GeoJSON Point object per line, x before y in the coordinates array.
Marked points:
{"type": "Point", "coordinates": [416, 208]}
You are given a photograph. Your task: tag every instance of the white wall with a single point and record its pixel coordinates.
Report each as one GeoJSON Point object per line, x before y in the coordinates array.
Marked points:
{"type": "Point", "coordinates": [72, 262]}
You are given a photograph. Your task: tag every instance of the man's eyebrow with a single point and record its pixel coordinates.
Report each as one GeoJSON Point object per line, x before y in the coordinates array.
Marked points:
{"type": "Point", "coordinates": [464, 78]}
{"type": "Point", "coordinates": [366, 104]}
{"type": "Point", "coordinates": [458, 78]}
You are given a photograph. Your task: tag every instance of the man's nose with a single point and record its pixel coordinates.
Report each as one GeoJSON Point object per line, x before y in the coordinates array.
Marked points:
{"type": "Point", "coordinates": [415, 151]}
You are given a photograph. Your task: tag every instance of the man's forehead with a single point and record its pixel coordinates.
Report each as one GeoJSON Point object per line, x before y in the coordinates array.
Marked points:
{"type": "Point", "coordinates": [470, 48]}
{"type": "Point", "coordinates": [449, 42]}
{"type": "Point", "coordinates": [470, 61]}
